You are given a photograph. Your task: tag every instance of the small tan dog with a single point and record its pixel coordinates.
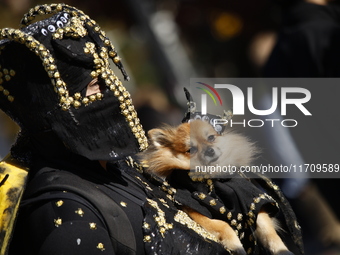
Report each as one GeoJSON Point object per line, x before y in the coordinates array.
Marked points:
{"type": "Point", "coordinates": [198, 143]}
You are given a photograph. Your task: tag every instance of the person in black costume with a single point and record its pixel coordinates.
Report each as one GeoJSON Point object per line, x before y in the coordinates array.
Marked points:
{"type": "Point", "coordinates": [86, 193]}
{"type": "Point", "coordinates": [79, 131]}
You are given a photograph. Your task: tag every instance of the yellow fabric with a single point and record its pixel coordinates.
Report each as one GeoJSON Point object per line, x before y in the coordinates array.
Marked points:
{"type": "Point", "coordinates": [13, 177]}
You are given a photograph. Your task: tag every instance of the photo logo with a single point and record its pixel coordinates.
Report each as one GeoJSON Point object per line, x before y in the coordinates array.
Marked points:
{"type": "Point", "coordinates": [280, 98]}
{"type": "Point", "coordinates": [204, 96]}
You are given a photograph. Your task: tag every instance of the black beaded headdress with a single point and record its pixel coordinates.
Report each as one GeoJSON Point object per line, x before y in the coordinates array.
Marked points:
{"type": "Point", "coordinates": [193, 114]}
{"type": "Point", "coordinates": [45, 69]}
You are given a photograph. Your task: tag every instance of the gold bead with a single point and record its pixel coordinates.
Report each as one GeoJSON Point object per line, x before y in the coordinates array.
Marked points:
{"type": "Point", "coordinates": [147, 238]}
{"type": "Point", "coordinates": [62, 99]}
{"type": "Point", "coordinates": [121, 87]}
{"type": "Point", "coordinates": [126, 94]}
{"type": "Point", "coordinates": [99, 96]}
{"type": "Point", "coordinates": [146, 225]}
{"type": "Point", "coordinates": [76, 104]}
{"type": "Point", "coordinates": [6, 92]}
{"type": "Point", "coordinates": [92, 98]}
{"type": "Point", "coordinates": [124, 204]}
{"type": "Point", "coordinates": [77, 96]}
{"type": "Point", "coordinates": [94, 74]}
{"type": "Point", "coordinates": [116, 59]}
{"type": "Point", "coordinates": [100, 246]}
{"type": "Point", "coordinates": [212, 202]}
{"type": "Point", "coordinates": [80, 212]}
{"type": "Point", "coordinates": [10, 98]}
{"type": "Point", "coordinates": [222, 210]}
{"type": "Point", "coordinates": [93, 226]}
{"type": "Point", "coordinates": [250, 214]}
{"type": "Point", "coordinates": [61, 91]}
{"type": "Point", "coordinates": [112, 54]}
{"type": "Point", "coordinates": [59, 203]}
{"type": "Point", "coordinates": [44, 53]}
{"type": "Point", "coordinates": [52, 67]}
{"type": "Point", "coordinates": [202, 196]}
{"type": "Point", "coordinates": [58, 222]}
{"type": "Point", "coordinates": [50, 74]}
{"type": "Point", "coordinates": [59, 7]}
{"type": "Point", "coordinates": [143, 147]}
{"type": "Point", "coordinates": [85, 100]}
{"type": "Point", "coordinates": [257, 200]}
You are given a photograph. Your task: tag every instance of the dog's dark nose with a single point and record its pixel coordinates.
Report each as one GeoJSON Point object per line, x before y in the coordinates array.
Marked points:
{"type": "Point", "coordinates": [210, 152]}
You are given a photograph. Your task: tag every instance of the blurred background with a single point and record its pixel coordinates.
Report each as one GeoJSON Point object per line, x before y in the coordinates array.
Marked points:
{"type": "Point", "coordinates": [164, 43]}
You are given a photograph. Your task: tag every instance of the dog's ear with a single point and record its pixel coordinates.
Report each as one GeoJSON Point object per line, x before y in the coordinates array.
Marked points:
{"type": "Point", "coordinates": [158, 137]}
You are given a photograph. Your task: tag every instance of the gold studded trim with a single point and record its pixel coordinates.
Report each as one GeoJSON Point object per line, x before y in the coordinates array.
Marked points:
{"type": "Point", "coordinates": [41, 51]}
{"type": "Point", "coordinates": [184, 219]}
{"type": "Point", "coordinates": [252, 207]}
{"type": "Point", "coordinates": [159, 218]}
{"type": "Point", "coordinates": [147, 186]}
{"type": "Point", "coordinates": [132, 163]}
{"type": "Point", "coordinates": [6, 75]}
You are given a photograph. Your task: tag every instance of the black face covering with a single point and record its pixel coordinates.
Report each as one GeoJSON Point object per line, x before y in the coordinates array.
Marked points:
{"type": "Point", "coordinates": [97, 131]}
{"type": "Point", "coordinates": [45, 68]}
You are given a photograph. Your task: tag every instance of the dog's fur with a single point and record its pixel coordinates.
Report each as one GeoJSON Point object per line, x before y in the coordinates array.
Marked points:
{"type": "Point", "coordinates": [174, 147]}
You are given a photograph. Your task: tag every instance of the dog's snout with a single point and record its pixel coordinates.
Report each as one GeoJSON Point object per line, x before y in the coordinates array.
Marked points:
{"type": "Point", "coordinates": [210, 152]}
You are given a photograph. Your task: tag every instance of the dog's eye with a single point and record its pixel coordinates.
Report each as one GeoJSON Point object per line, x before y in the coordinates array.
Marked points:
{"type": "Point", "coordinates": [192, 150]}
{"type": "Point", "coordinates": [211, 138]}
